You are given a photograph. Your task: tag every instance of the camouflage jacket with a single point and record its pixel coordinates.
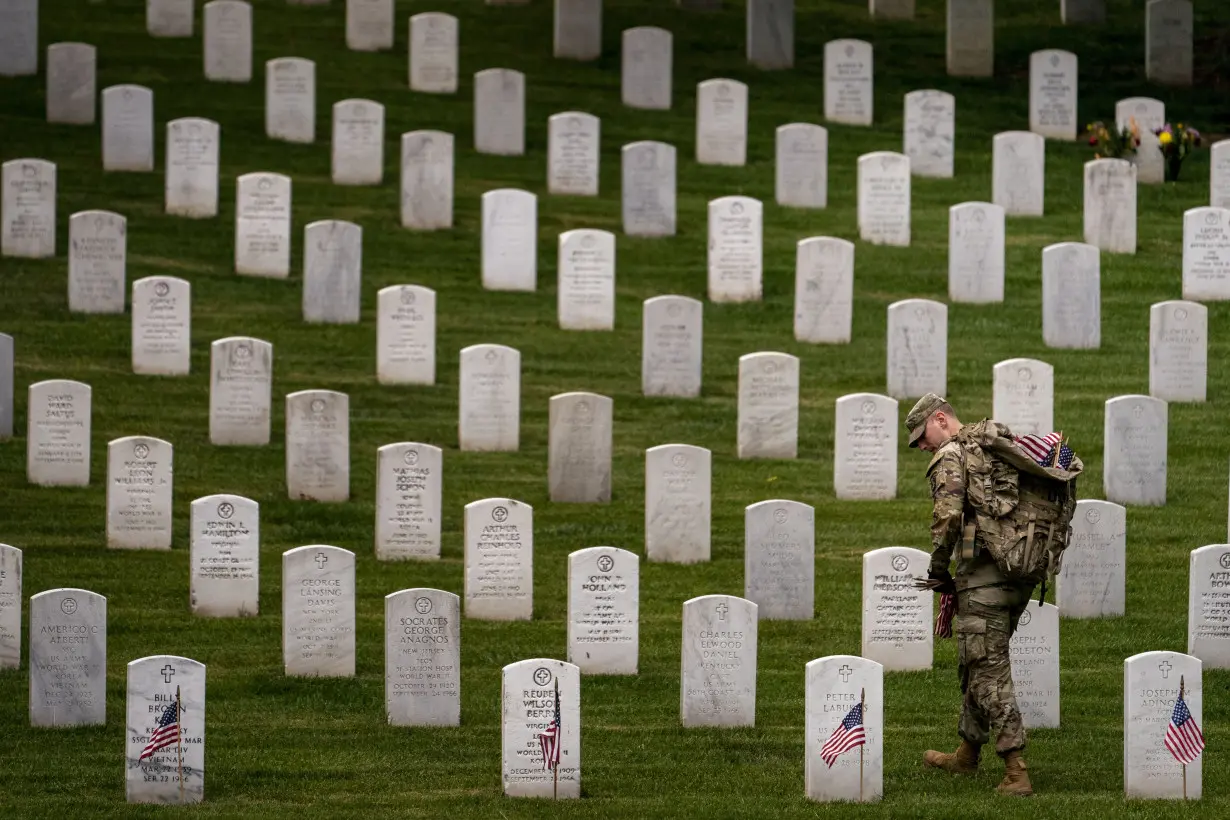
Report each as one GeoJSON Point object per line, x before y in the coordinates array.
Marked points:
{"type": "Point", "coordinates": [950, 512]}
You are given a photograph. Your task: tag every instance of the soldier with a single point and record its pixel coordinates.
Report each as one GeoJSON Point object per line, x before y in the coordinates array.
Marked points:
{"type": "Point", "coordinates": [988, 604]}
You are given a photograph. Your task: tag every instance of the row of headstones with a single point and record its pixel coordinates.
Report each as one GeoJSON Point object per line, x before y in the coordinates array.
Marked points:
{"type": "Point", "coordinates": [68, 631]}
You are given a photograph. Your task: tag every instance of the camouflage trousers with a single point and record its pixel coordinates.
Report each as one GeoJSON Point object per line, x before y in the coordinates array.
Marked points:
{"type": "Point", "coordinates": [986, 619]}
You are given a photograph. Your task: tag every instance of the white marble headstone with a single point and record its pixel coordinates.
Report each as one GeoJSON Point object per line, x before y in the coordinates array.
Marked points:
{"type": "Point", "coordinates": [586, 292]}
{"type": "Point", "coordinates": [1134, 450]}
{"type": "Point", "coordinates": [499, 112]}
{"type": "Point", "coordinates": [1144, 115]}
{"type": "Point", "coordinates": [604, 610]}
{"type": "Point", "coordinates": [736, 249]}
{"type": "Point", "coordinates": [834, 685]}
{"type": "Point", "coordinates": [572, 153]}
{"type": "Point", "coordinates": [169, 18]}
{"type": "Point", "coordinates": [865, 447]}
{"type": "Point", "coordinates": [1018, 173]}
{"type": "Point", "coordinates": [884, 198]}
{"type": "Point", "coordinates": [1110, 205]}
{"type": "Point", "coordinates": [427, 180]}
{"type": "Point", "coordinates": [1219, 174]}
{"type": "Point", "coordinates": [10, 607]}
{"type": "Point", "coordinates": [721, 122]}
{"type": "Point", "coordinates": [262, 225]}
{"type": "Point", "coordinates": [71, 83]}
{"type": "Point", "coordinates": [422, 658]}
{"type": "Point", "coordinates": [648, 190]}
{"type": "Point", "coordinates": [1023, 396]}
{"type": "Point", "coordinates": [489, 413]}
{"type": "Point", "coordinates": [409, 488]}
{"type": "Point", "coordinates": [290, 99]}
{"type": "Point", "coordinates": [578, 29]}
{"type": "Point", "coordinates": [433, 53]}
{"type": "Point", "coordinates": [1206, 253]}
{"type": "Point", "coordinates": [779, 559]}
{"type": "Point", "coordinates": [406, 335]}
{"type": "Point", "coordinates": [768, 405]}
{"type": "Point", "coordinates": [1151, 683]}
{"type": "Point", "coordinates": [58, 433]}
{"type": "Point", "coordinates": [802, 165]}
{"type": "Point", "coordinates": [139, 492]}
{"type": "Point", "coordinates": [1208, 605]}
{"type": "Point", "coordinates": [28, 211]}
{"type": "Point", "coordinates": [717, 686]}
{"type": "Point", "coordinates": [369, 25]}
{"type": "Point", "coordinates": [318, 445]}
{"type": "Point", "coordinates": [976, 253]}
{"type": "Point", "coordinates": [971, 38]}
{"type": "Point", "coordinates": [358, 142]}
{"type": "Point", "coordinates": [848, 82]}
{"type": "Point", "coordinates": [157, 683]}
{"type": "Point", "coordinates": [499, 560]}
{"type": "Point", "coordinates": [579, 448]}
{"type": "Point", "coordinates": [671, 346]}
{"type": "Point", "coordinates": [18, 38]}
{"type": "Point", "coordinates": [678, 503]}
{"type": "Point", "coordinates": [1034, 654]}
{"type": "Point", "coordinates": [770, 34]}
{"type": "Point", "coordinates": [332, 271]}
{"type": "Point", "coordinates": [318, 612]}
{"type": "Point", "coordinates": [1168, 42]}
{"type": "Point", "coordinates": [1092, 580]}
{"type": "Point", "coordinates": [240, 391]}
{"type": "Point", "coordinates": [1178, 351]}
{"type": "Point", "coordinates": [646, 70]}
{"type": "Point", "coordinates": [225, 557]}
{"type": "Point", "coordinates": [228, 41]}
{"type": "Point", "coordinates": [897, 623]}
{"type": "Point", "coordinates": [128, 128]}
{"type": "Point", "coordinates": [527, 696]}
{"type": "Point", "coordinates": [192, 167]}
{"type": "Point", "coordinates": [1052, 93]}
{"type": "Point", "coordinates": [917, 348]}
{"type": "Point", "coordinates": [68, 658]}
{"type": "Point", "coordinates": [1072, 296]}
{"type": "Point", "coordinates": [930, 132]}
{"type": "Point", "coordinates": [510, 240]}
{"type": "Point", "coordinates": [823, 290]}
{"type": "Point", "coordinates": [97, 262]}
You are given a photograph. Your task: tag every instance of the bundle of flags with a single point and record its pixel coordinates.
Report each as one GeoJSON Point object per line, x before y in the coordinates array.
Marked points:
{"type": "Point", "coordinates": [943, 619]}
{"type": "Point", "coordinates": [1051, 450]}
{"type": "Point", "coordinates": [848, 735]}
{"type": "Point", "coordinates": [1183, 737]}
{"type": "Point", "coordinates": [165, 734]}
{"type": "Point", "coordinates": [549, 739]}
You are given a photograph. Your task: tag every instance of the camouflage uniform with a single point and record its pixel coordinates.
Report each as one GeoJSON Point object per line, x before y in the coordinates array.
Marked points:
{"type": "Point", "coordinates": [988, 608]}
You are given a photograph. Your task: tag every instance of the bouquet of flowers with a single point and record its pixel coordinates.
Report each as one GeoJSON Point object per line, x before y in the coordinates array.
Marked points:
{"type": "Point", "coordinates": [1175, 144]}
{"type": "Point", "coordinates": [1117, 143]}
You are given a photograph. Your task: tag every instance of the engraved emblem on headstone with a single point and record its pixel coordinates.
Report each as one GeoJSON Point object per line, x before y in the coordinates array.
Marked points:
{"type": "Point", "coordinates": [723, 90]}
{"type": "Point", "coordinates": [679, 459]}
{"type": "Point", "coordinates": [587, 242]}
{"type": "Point", "coordinates": [769, 367]}
{"type": "Point", "coordinates": [1138, 411]}
{"type": "Point", "coordinates": [779, 516]}
{"type": "Point", "coordinates": [845, 671]}
{"type": "Point", "coordinates": [582, 408]}
{"type": "Point", "coordinates": [161, 289]}
{"type": "Point", "coordinates": [225, 510]}
{"type": "Point", "coordinates": [722, 608]}
{"type": "Point", "coordinates": [127, 94]}
{"type": "Point", "coordinates": [499, 515]}
{"type": "Point", "coordinates": [673, 310]}
{"type": "Point", "coordinates": [1210, 218]}
{"type": "Point", "coordinates": [28, 171]}
{"type": "Point", "coordinates": [901, 563]}
{"type": "Point", "coordinates": [318, 405]}
{"type": "Point", "coordinates": [1025, 618]}
{"type": "Point", "coordinates": [542, 676]}
{"type": "Point", "coordinates": [1224, 560]}
{"type": "Point", "coordinates": [141, 451]}
{"type": "Point", "coordinates": [869, 407]}
{"type": "Point", "coordinates": [491, 356]}
{"type": "Point", "coordinates": [321, 560]}
{"type": "Point", "coordinates": [411, 458]}
{"type": "Point", "coordinates": [243, 351]}
{"type": "Point", "coordinates": [1180, 314]}
{"type": "Point", "coordinates": [1164, 667]}
{"type": "Point", "coordinates": [407, 297]}
{"type": "Point", "coordinates": [736, 208]}
{"type": "Point", "coordinates": [1054, 61]}
{"type": "Point", "coordinates": [574, 123]}
{"type": "Point", "coordinates": [1025, 374]}
{"type": "Point", "coordinates": [422, 605]}
{"type": "Point", "coordinates": [813, 285]}
{"type": "Point", "coordinates": [1093, 516]}
{"type": "Point", "coordinates": [605, 563]}
{"type": "Point", "coordinates": [68, 606]}
{"type": "Point", "coordinates": [849, 51]}
{"type": "Point", "coordinates": [168, 672]}
{"type": "Point", "coordinates": [264, 183]}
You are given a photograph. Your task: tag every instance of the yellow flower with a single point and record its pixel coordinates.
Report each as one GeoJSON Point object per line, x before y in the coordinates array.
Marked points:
{"type": "Point", "coordinates": [1165, 138]}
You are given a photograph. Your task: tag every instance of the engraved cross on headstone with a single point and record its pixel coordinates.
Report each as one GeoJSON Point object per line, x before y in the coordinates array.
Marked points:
{"type": "Point", "coordinates": [321, 560]}
{"type": "Point", "coordinates": [845, 671]}
{"type": "Point", "coordinates": [721, 611]}
{"type": "Point", "coordinates": [1164, 667]}
{"type": "Point", "coordinates": [167, 672]}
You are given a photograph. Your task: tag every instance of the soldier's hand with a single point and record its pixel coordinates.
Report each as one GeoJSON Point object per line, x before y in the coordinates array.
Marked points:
{"type": "Point", "coordinates": [940, 582]}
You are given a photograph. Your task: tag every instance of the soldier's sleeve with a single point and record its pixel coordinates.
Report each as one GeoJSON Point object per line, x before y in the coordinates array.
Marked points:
{"type": "Point", "coordinates": [947, 477]}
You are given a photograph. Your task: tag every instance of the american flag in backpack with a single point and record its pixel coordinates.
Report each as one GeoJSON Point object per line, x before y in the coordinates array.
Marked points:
{"type": "Point", "coordinates": [1049, 450]}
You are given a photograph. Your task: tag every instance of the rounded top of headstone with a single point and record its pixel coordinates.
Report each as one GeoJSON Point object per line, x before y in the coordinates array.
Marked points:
{"type": "Point", "coordinates": [325, 550]}
{"type": "Point", "coordinates": [426, 599]}
{"type": "Point", "coordinates": [176, 662]}
{"type": "Point", "coordinates": [499, 508]}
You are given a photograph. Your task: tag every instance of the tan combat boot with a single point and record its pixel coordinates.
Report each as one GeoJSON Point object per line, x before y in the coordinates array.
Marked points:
{"type": "Point", "coordinates": [1016, 777]}
{"type": "Point", "coordinates": [963, 761]}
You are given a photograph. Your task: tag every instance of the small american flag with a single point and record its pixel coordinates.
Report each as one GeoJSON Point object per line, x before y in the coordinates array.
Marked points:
{"type": "Point", "coordinates": [1042, 449]}
{"type": "Point", "coordinates": [1183, 737]}
{"type": "Point", "coordinates": [549, 739]}
{"type": "Point", "coordinates": [943, 620]}
{"type": "Point", "coordinates": [847, 735]}
{"type": "Point", "coordinates": [166, 733]}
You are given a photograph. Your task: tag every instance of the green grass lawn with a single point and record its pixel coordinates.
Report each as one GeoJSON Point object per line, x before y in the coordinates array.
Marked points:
{"type": "Point", "coordinates": [277, 745]}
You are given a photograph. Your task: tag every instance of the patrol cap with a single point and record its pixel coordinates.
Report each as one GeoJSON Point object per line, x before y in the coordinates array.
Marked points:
{"type": "Point", "coordinates": [916, 421]}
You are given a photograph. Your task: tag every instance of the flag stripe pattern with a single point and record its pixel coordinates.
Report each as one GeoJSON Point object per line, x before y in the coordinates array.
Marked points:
{"type": "Point", "coordinates": [1042, 449]}
{"type": "Point", "coordinates": [948, 609]}
{"type": "Point", "coordinates": [1183, 737]}
{"type": "Point", "coordinates": [165, 733]}
{"type": "Point", "coordinates": [549, 739]}
{"type": "Point", "coordinates": [847, 735]}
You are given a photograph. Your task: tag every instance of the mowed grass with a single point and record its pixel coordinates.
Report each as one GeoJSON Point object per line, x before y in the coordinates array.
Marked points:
{"type": "Point", "coordinates": [279, 745]}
